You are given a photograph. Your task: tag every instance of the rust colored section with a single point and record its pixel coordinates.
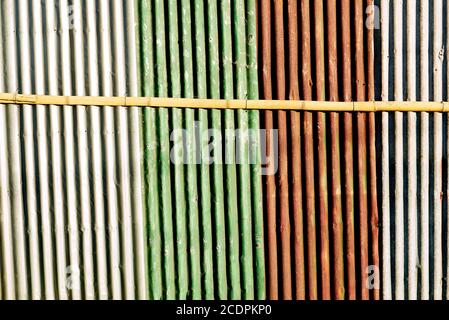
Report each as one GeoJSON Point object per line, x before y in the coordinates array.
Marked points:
{"type": "Point", "coordinates": [270, 179]}
{"type": "Point", "coordinates": [337, 220]}
{"type": "Point", "coordinates": [374, 210]}
{"type": "Point", "coordinates": [295, 124]}
{"type": "Point", "coordinates": [309, 154]}
{"type": "Point", "coordinates": [348, 151]}
{"type": "Point", "coordinates": [283, 154]}
{"type": "Point", "coordinates": [362, 146]}
{"type": "Point", "coordinates": [322, 157]}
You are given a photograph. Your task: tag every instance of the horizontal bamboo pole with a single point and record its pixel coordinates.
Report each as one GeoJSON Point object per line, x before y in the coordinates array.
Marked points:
{"type": "Point", "coordinates": [369, 106]}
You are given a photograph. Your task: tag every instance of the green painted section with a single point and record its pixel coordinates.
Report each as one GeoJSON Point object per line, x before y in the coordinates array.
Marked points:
{"type": "Point", "coordinates": [255, 151]}
{"type": "Point", "coordinates": [164, 154]}
{"type": "Point", "coordinates": [218, 196]}
{"type": "Point", "coordinates": [203, 201]}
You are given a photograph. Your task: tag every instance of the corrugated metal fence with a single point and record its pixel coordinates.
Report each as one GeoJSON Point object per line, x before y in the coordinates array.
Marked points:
{"type": "Point", "coordinates": [412, 49]}
{"type": "Point", "coordinates": [326, 187]}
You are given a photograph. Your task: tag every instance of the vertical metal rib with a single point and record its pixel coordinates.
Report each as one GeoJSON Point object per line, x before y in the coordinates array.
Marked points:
{"type": "Point", "coordinates": [242, 158]}
{"type": "Point", "coordinates": [83, 150]}
{"type": "Point", "coordinates": [412, 222]}
{"type": "Point", "coordinates": [136, 159]}
{"type": "Point", "coordinates": [373, 209]}
{"type": "Point", "coordinates": [96, 133]}
{"type": "Point", "coordinates": [295, 123]}
{"type": "Point", "coordinates": [362, 148]}
{"type": "Point", "coordinates": [123, 143]}
{"type": "Point", "coordinates": [337, 218]}
{"type": "Point", "coordinates": [182, 234]}
{"type": "Point", "coordinates": [43, 161]}
{"type": "Point", "coordinates": [14, 154]}
{"type": "Point", "coordinates": [348, 151]}
{"type": "Point", "coordinates": [283, 151]}
{"type": "Point", "coordinates": [218, 190]}
{"type": "Point", "coordinates": [9, 289]}
{"type": "Point", "coordinates": [424, 153]}
{"type": "Point", "coordinates": [438, 56]}
{"type": "Point", "coordinates": [110, 153]}
{"type": "Point", "coordinates": [191, 151]}
{"type": "Point", "coordinates": [230, 157]}
{"type": "Point", "coordinates": [150, 160]}
{"type": "Point", "coordinates": [56, 161]}
{"type": "Point", "coordinates": [322, 146]}
{"type": "Point", "coordinates": [29, 135]}
{"type": "Point", "coordinates": [308, 151]}
{"type": "Point", "coordinates": [74, 267]}
{"type": "Point", "coordinates": [399, 154]}
{"type": "Point", "coordinates": [270, 189]}
{"type": "Point", "coordinates": [205, 190]}
{"type": "Point", "coordinates": [386, 260]}
{"type": "Point", "coordinates": [255, 153]}
{"type": "Point", "coordinates": [164, 154]}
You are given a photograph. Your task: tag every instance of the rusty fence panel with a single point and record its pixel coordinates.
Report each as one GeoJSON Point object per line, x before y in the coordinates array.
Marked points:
{"type": "Point", "coordinates": [332, 182]}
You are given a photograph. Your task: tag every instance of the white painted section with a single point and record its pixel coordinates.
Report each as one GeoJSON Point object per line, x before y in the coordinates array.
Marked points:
{"type": "Point", "coordinates": [386, 253]}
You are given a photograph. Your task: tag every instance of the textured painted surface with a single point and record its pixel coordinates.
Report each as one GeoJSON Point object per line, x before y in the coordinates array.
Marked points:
{"type": "Point", "coordinates": [333, 203]}
{"type": "Point", "coordinates": [413, 66]}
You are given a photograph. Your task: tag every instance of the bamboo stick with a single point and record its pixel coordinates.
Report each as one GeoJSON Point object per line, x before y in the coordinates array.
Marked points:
{"type": "Point", "coordinates": [218, 190]}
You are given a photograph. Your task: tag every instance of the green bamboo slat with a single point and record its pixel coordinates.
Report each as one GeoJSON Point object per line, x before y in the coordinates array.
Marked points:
{"type": "Point", "coordinates": [243, 149]}
{"type": "Point", "coordinates": [150, 160]}
{"type": "Point", "coordinates": [217, 168]}
{"type": "Point", "coordinates": [231, 171]}
{"type": "Point", "coordinates": [192, 190]}
{"type": "Point", "coordinates": [206, 213]}
{"type": "Point", "coordinates": [164, 155]}
{"type": "Point", "coordinates": [180, 197]}
{"type": "Point", "coordinates": [255, 144]}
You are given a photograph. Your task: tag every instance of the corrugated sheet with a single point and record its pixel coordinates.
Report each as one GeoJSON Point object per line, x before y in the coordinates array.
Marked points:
{"type": "Point", "coordinates": [71, 176]}
{"type": "Point", "coordinates": [93, 204]}
{"type": "Point", "coordinates": [412, 50]}
{"type": "Point", "coordinates": [209, 242]}
{"type": "Point", "coordinates": [327, 189]}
